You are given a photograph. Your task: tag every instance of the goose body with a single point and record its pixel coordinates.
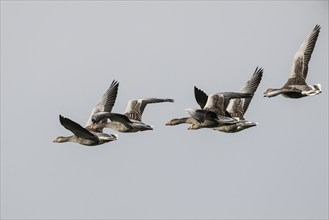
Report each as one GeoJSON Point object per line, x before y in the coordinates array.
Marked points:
{"type": "Point", "coordinates": [296, 86]}
{"type": "Point", "coordinates": [131, 120]}
{"type": "Point", "coordinates": [235, 127]}
{"type": "Point", "coordinates": [88, 135]}
{"type": "Point", "coordinates": [208, 119]}
{"type": "Point", "coordinates": [119, 122]}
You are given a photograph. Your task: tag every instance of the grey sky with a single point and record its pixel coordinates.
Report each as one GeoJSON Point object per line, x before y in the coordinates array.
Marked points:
{"type": "Point", "coordinates": [59, 58]}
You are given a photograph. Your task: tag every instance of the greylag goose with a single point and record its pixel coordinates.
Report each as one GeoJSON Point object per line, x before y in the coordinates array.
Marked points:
{"type": "Point", "coordinates": [296, 86]}
{"type": "Point", "coordinates": [91, 136]}
{"type": "Point", "coordinates": [214, 113]}
{"type": "Point", "coordinates": [235, 108]}
{"type": "Point", "coordinates": [238, 107]}
{"type": "Point", "coordinates": [83, 135]}
{"type": "Point", "coordinates": [131, 120]}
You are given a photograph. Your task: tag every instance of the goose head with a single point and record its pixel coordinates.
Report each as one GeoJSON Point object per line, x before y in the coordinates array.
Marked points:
{"type": "Point", "coordinates": [60, 139]}
{"type": "Point", "coordinates": [175, 121]}
{"type": "Point", "coordinates": [270, 92]}
{"type": "Point", "coordinates": [146, 127]}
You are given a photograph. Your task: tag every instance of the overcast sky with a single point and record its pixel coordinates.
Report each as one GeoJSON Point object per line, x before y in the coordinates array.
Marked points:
{"type": "Point", "coordinates": [59, 57]}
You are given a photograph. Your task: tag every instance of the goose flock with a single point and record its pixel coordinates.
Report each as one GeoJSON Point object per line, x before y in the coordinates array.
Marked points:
{"type": "Point", "coordinates": [222, 111]}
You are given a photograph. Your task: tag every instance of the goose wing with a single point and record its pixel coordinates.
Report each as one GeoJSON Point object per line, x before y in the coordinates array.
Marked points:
{"type": "Point", "coordinates": [218, 103]}
{"type": "Point", "coordinates": [200, 96]}
{"type": "Point", "coordinates": [235, 107]}
{"type": "Point", "coordinates": [100, 116]}
{"type": "Point", "coordinates": [121, 118]}
{"type": "Point", "coordinates": [238, 107]}
{"type": "Point", "coordinates": [107, 101]}
{"type": "Point", "coordinates": [77, 129]}
{"type": "Point", "coordinates": [299, 67]}
{"type": "Point", "coordinates": [135, 108]}
{"type": "Point", "coordinates": [200, 115]}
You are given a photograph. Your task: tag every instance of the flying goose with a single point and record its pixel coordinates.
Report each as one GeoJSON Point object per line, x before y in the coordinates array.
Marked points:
{"type": "Point", "coordinates": [296, 86]}
{"type": "Point", "coordinates": [238, 107]}
{"type": "Point", "coordinates": [83, 135]}
{"type": "Point", "coordinates": [131, 120]}
{"type": "Point", "coordinates": [88, 135]}
{"type": "Point", "coordinates": [214, 113]}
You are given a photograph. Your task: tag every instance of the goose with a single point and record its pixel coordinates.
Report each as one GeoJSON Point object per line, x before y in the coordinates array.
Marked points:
{"type": "Point", "coordinates": [131, 120]}
{"type": "Point", "coordinates": [235, 108]}
{"type": "Point", "coordinates": [213, 111]}
{"type": "Point", "coordinates": [296, 86]}
{"type": "Point", "coordinates": [91, 136]}
{"type": "Point", "coordinates": [209, 115]}
{"type": "Point", "coordinates": [238, 107]}
{"type": "Point", "coordinates": [82, 135]}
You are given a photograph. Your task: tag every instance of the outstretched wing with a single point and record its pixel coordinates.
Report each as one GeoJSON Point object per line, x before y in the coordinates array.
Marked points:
{"type": "Point", "coordinates": [107, 101]}
{"type": "Point", "coordinates": [76, 129]}
{"type": "Point", "coordinates": [235, 108]}
{"type": "Point", "coordinates": [218, 103]}
{"type": "Point", "coordinates": [200, 115]}
{"type": "Point", "coordinates": [238, 107]}
{"type": "Point", "coordinates": [302, 57]}
{"type": "Point", "coordinates": [135, 108]}
{"type": "Point", "coordinates": [100, 116]}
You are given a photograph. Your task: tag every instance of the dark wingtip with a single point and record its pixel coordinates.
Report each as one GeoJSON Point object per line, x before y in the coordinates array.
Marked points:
{"type": "Point", "coordinates": [259, 70]}
{"type": "Point", "coordinates": [62, 119]}
{"type": "Point", "coordinates": [115, 83]}
{"type": "Point", "coordinates": [196, 89]}
{"type": "Point", "coordinates": [317, 27]}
